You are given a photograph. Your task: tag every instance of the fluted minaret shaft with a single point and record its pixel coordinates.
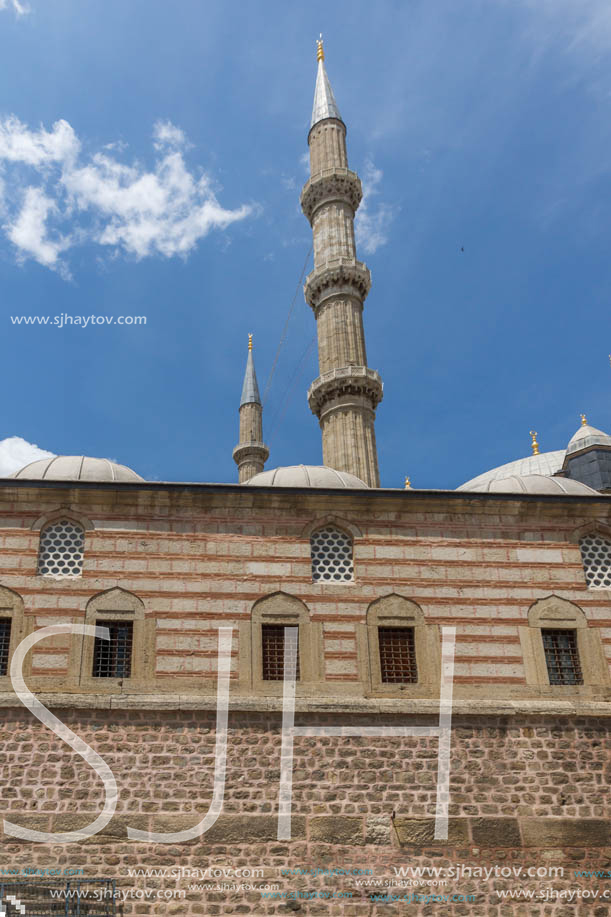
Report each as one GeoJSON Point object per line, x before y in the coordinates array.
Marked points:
{"type": "Point", "coordinates": [251, 452]}
{"type": "Point", "coordinates": [346, 393]}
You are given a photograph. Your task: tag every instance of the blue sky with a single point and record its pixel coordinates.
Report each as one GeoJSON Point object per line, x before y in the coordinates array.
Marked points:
{"type": "Point", "coordinates": [151, 159]}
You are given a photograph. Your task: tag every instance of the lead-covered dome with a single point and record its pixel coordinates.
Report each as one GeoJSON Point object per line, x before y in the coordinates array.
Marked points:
{"type": "Point", "coordinates": [546, 463]}
{"type": "Point", "coordinates": [305, 476]}
{"type": "Point", "coordinates": [76, 468]}
{"type": "Point", "coordinates": [531, 484]}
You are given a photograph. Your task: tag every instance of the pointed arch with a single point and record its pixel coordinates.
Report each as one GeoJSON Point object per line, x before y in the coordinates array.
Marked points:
{"type": "Point", "coordinates": [269, 616]}
{"type": "Point", "coordinates": [62, 512]}
{"type": "Point", "coordinates": [130, 653]}
{"type": "Point", "coordinates": [403, 650]}
{"type": "Point", "coordinates": [561, 651]}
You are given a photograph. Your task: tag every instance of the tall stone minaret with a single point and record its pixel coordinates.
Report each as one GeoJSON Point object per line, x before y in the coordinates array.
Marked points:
{"type": "Point", "coordinates": [251, 453]}
{"type": "Point", "coordinates": [346, 393]}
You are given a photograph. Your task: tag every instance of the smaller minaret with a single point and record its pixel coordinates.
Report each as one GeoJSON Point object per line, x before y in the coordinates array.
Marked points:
{"type": "Point", "coordinates": [251, 452]}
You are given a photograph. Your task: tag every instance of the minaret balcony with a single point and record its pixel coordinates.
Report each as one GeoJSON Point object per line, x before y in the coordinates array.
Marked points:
{"type": "Point", "coordinates": [354, 381]}
{"type": "Point", "coordinates": [337, 184]}
{"type": "Point", "coordinates": [251, 450]}
{"type": "Point", "coordinates": [339, 277]}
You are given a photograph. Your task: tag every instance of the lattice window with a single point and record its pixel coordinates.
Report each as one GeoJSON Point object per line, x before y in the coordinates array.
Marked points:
{"type": "Point", "coordinates": [596, 555]}
{"type": "Point", "coordinates": [272, 645]}
{"type": "Point", "coordinates": [62, 545]}
{"type": "Point", "coordinates": [562, 657]}
{"type": "Point", "coordinates": [5, 641]}
{"type": "Point", "coordinates": [397, 655]}
{"type": "Point", "coordinates": [331, 556]}
{"type": "Point", "coordinates": [113, 658]}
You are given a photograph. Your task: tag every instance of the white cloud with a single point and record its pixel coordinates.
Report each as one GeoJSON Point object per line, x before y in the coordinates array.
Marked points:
{"type": "Point", "coordinates": [37, 148]}
{"type": "Point", "coordinates": [372, 224]}
{"type": "Point", "coordinates": [20, 8]}
{"type": "Point", "coordinates": [164, 211]}
{"type": "Point", "coordinates": [29, 231]}
{"type": "Point", "coordinates": [16, 452]}
{"type": "Point", "coordinates": [167, 134]}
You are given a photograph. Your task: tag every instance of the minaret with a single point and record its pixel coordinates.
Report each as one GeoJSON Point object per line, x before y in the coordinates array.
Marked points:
{"type": "Point", "coordinates": [251, 453]}
{"type": "Point", "coordinates": [346, 393]}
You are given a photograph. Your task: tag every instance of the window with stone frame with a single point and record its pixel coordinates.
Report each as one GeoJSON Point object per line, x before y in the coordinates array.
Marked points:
{"type": "Point", "coordinates": [562, 656]}
{"type": "Point", "coordinates": [5, 642]}
{"type": "Point", "coordinates": [331, 552]}
{"type": "Point", "coordinates": [61, 550]}
{"type": "Point", "coordinates": [397, 649]}
{"type": "Point", "coordinates": [113, 658]}
{"type": "Point", "coordinates": [596, 557]}
{"type": "Point", "coordinates": [272, 651]}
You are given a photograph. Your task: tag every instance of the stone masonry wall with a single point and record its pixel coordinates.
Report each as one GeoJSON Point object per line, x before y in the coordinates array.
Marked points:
{"type": "Point", "coordinates": [524, 792]}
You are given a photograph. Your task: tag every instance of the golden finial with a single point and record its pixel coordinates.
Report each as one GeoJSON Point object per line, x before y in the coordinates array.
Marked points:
{"type": "Point", "coordinates": [249, 342]}
{"type": "Point", "coordinates": [583, 420]}
{"type": "Point", "coordinates": [320, 52]}
{"type": "Point", "coordinates": [535, 444]}
{"type": "Point", "coordinates": [408, 484]}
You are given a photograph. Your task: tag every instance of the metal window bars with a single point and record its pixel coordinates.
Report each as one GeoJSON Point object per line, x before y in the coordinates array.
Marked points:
{"type": "Point", "coordinates": [562, 657]}
{"type": "Point", "coordinates": [5, 641]}
{"type": "Point", "coordinates": [397, 655]}
{"type": "Point", "coordinates": [113, 658]}
{"type": "Point", "coordinates": [272, 645]}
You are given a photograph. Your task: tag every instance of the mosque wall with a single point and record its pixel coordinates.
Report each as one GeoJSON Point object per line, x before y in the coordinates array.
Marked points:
{"type": "Point", "coordinates": [529, 760]}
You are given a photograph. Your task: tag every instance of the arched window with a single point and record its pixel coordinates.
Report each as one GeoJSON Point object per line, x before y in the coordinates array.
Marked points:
{"type": "Point", "coordinates": [62, 546]}
{"type": "Point", "coordinates": [403, 648]}
{"type": "Point", "coordinates": [270, 616]}
{"type": "Point", "coordinates": [129, 653]}
{"type": "Point", "coordinates": [596, 556]}
{"type": "Point", "coordinates": [331, 551]}
{"type": "Point", "coordinates": [561, 652]}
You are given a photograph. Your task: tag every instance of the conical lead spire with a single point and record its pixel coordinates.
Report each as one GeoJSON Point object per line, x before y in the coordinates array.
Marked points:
{"type": "Point", "coordinates": [325, 105]}
{"type": "Point", "coordinates": [250, 389]}
{"type": "Point", "coordinates": [251, 453]}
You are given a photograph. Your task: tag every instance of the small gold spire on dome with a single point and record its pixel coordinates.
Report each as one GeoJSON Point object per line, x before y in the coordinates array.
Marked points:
{"type": "Point", "coordinates": [535, 444]}
{"type": "Point", "coordinates": [408, 484]}
{"type": "Point", "coordinates": [583, 420]}
{"type": "Point", "coordinates": [320, 51]}
{"type": "Point", "coordinates": [249, 343]}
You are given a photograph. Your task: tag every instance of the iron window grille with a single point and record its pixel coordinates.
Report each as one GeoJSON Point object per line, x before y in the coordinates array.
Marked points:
{"type": "Point", "coordinates": [562, 657]}
{"type": "Point", "coordinates": [113, 658]}
{"type": "Point", "coordinates": [331, 551]}
{"type": "Point", "coordinates": [397, 655]}
{"type": "Point", "coordinates": [596, 557]}
{"type": "Point", "coordinates": [62, 546]}
{"type": "Point", "coordinates": [272, 645]}
{"type": "Point", "coordinates": [5, 641]}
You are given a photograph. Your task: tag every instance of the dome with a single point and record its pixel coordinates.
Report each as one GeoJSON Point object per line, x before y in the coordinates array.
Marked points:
{"type": "Point", "coordinates": [305, 476]}
{"type": "Point", "coordinates": [76, 468]}
{"type": "Point", "coordinates": [587, 436]}
{"type": "Point", "coordinates": [532, 484]}
{"type": "Point", "coordinates": [545, 463]}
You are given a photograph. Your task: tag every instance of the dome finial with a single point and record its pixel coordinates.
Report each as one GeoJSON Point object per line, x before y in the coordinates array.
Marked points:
{"type": "Point", "coordinates": [249, 343]}
{"type": "Point", "coordinates": [583, 420]}
{"type": "Point", "coordinates": [320, 51]}
{"type": "Point", "coordinates": [408, 484]}
{"type": "Point", "coordinates": [535, 444]}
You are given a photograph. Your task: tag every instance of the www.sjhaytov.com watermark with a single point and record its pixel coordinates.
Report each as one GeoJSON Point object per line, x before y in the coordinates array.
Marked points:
{"type": "Point", "coordinates": [80, 321]}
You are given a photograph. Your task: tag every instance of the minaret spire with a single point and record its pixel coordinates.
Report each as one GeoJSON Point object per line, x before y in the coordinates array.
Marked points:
{"type": "Point", "coordinates": [325, 105]}
{"type": "Point", "coordinates": [345, 395]}
{"type": "Point", "coordinates": [251, 453]}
